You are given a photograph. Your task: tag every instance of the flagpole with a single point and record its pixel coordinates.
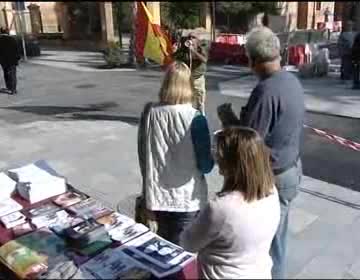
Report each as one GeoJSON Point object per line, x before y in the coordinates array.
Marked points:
{"type": "Point", "coordinates": [132, 59]}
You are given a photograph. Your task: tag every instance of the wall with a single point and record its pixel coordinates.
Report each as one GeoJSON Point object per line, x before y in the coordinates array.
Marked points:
{"type": "Point", "coordinates": [48, 16]}
{"type": "Point", "coordinates": [290, 11]}
{"type": "Point", "coordinates": [319, 14]}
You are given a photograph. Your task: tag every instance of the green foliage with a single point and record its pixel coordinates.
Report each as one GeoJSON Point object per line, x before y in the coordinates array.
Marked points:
{"type": "Point", "coordinates": [244, 12]}
{"type": "Point", "coordinates": [249, 7]}
{"type": "Point", "coordinates": [233, 7]}
{"type": "Point", "coordinates": [113, 55]}
{"type": "Point", "coordinates": [181, 15]}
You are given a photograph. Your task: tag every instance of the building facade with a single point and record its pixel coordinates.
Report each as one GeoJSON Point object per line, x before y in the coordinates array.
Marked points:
{"type": "Point", "coordinates": [75, 21]}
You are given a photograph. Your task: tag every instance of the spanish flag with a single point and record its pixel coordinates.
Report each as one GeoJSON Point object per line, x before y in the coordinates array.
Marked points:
{"type": "Point", "coordinates": [150, 41]}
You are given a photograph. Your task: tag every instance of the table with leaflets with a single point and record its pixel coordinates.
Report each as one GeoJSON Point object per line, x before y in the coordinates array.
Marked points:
{"type": "Point", "coordinates": [71, 235]}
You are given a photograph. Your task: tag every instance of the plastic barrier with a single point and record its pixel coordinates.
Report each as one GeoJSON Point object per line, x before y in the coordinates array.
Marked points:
{"type": "Point", "coordinates": [297, 55]}
{"type": "Point", "coordinates": [228, 53]}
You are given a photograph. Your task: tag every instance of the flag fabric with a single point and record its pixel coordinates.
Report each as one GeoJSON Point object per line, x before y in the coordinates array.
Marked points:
{"type": "Point", "coordinates": [150, 41]}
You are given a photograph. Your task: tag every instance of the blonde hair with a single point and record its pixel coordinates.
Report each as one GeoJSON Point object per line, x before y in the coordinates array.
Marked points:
{"type": "Point", "coordinates": [244, 160]}
{"type": "Point", "coordinates": [176, 87]}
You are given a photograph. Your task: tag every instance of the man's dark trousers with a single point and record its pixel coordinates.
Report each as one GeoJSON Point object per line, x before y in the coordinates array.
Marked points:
{"type": "Point", "coordinates": [10, 77]}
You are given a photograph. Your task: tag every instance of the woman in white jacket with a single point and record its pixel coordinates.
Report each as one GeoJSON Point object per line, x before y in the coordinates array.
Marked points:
{"type": "Point", "coordinates": [234, 232]}
{"type": "Point", "coordinates": [174, 154]}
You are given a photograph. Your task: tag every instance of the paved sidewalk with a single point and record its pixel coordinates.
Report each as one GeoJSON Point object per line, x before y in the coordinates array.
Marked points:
{"type": "Point", "coordinates": [325, 95]}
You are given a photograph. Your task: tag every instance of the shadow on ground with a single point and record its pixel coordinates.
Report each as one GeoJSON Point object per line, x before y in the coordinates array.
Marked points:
{"type": "Point", "coordinates": [95, 112]}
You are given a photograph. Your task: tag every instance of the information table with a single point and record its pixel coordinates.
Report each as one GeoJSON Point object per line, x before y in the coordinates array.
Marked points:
{"type": "Point", "coordinates": [188, 272]}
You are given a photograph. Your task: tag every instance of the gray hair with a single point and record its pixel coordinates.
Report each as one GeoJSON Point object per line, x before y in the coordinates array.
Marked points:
{"type": "Point", "coordinates": [262, 45]}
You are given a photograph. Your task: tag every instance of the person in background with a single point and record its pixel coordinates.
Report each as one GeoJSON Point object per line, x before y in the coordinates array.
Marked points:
{"type": "Point", "coordinates": [276, 110]}
{"type": "Point", "coordinates": [194, 55]}
{"type": "Point", "coordinates": [344, 44]}
{"type": "Point", "coordinates": [174, 152]}
{"type": "Point", "coordinates": [9, 59]}
{"type": "Point", "coordinates": [355, 56]}
{"type": "Point", "coordinates": [233, 233]}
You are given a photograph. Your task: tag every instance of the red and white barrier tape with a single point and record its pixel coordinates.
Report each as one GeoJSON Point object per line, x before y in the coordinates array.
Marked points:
{"type": "Point", "coordinates": [337, 139]}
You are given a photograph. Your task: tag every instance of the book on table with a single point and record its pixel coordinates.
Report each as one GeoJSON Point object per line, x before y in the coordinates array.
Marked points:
{"type": "Point", "coordinates": [35, 184]}
{"type": "Point", "coordinates": [33, 254]}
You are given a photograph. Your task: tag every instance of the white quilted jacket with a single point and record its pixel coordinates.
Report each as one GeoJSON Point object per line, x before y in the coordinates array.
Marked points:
{"type": "Point", "coordinates": [172, 180]}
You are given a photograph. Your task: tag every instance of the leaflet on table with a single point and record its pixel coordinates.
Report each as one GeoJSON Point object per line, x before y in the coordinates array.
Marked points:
{"type": "Point", "coordinates": [13, 219]}
{"type": "Point", "coordinates": [89, 208]}
{"type": "Point", "coordinates": [113, 264]}
{"type": "Point", "coordinates": [157, 250]}
{"type": "Point", "coordinates": [115, 220]}
{"type": "Point", "coordinates": [41, 210]}
{"type": "Point", "coordinates": [7, 186]}
{"type": "Point", "coordinates": [124, 235]}
{"type": "Point", "coordinates": [59, 217]}
{"type": "Point", "coordinates": [69, 198]}
{"type": "Point", "coordinates": [60, 226]}
{"type": "Point", "coordinates": [157, 270]}
{"type": "Point", "coordinates": [8, 206]}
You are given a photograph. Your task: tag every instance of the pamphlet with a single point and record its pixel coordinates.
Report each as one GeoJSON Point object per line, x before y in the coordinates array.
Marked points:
{"type": "Point", "coordinates": [69, 198]}
{"type": "Point", "coordinates": [13, 219]}
{"type": "Point", "coordinates": [114, 264]}
{"type": "Point", "coordinates": [157, 270]}
{"type": "Point", "coordinates": [90, 208]}
{"type": "Point", "coordinates": [115, 220]}
{"type": "Point", "coordinates": [126, 234]}
{"type": "Point", "coordinates": [50, 219]}
{"type": "Point", "coordinates": [158, 250]}
{"type": "Point", "coordinates": [42, 210]}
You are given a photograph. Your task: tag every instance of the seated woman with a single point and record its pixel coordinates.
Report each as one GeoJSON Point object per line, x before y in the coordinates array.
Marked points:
{"type": "Point", "coordinates": [174, 154]}
{"type": "Point", "coordinates": [233, 233]}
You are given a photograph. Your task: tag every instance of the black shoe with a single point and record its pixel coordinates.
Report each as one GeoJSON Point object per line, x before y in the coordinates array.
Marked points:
{"type": "Point", "coordinates": [13, 92]}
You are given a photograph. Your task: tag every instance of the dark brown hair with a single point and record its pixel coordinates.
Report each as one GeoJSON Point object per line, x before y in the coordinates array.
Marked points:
{"type": "Point", "coordinates": [244, 161]}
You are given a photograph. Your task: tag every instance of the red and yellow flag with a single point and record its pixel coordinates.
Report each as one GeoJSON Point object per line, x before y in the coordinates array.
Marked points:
{"type": "Point", "coordinates": [150, 41]}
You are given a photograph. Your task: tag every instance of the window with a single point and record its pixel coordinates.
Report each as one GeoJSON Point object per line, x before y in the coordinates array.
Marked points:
{"type": "Point", "coordinates": [318, 6]}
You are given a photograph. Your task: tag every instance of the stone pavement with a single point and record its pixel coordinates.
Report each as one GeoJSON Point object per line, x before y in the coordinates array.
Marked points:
{"type": "Point", "coordinates": [322, 95]}
{"type": "Point", "coordinates": [71, 119]}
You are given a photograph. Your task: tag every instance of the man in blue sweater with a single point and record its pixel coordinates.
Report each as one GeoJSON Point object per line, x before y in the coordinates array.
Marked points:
{"type": "Point", "coordinates": [276, 110]}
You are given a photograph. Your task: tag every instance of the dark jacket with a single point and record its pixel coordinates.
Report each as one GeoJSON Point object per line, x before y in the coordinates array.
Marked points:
{"type": "Point", "coordinates": [9, 50]}
{"type": "Point", "coordinates": [355, 51]}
